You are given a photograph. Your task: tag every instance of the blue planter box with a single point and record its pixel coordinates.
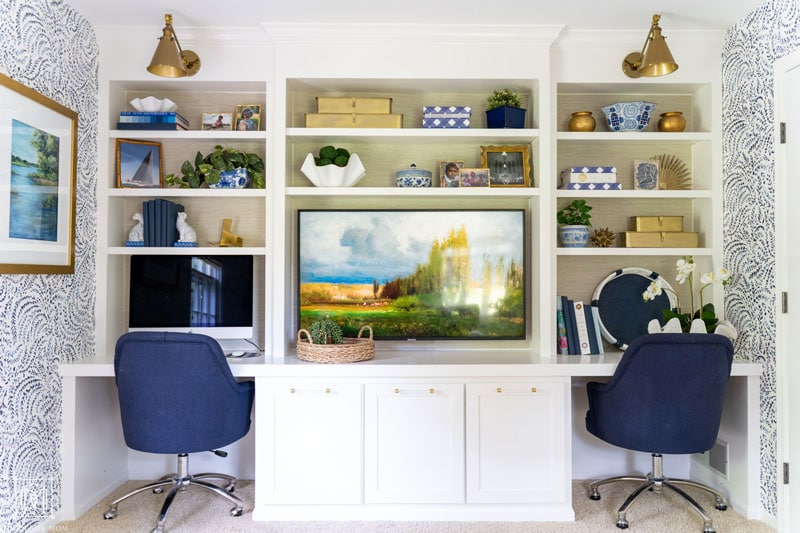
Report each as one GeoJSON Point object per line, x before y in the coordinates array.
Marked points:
{"type": "Point", "coordinates": [505, 117]}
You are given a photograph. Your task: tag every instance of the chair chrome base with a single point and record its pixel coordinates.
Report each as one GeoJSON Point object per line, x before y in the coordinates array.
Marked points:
{"type": "Point", "coordinates": [655, 481]}
{"type": "Point", "coordinates": [180, 481]}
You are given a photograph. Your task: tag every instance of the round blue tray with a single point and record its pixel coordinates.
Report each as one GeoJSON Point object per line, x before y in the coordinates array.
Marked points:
{"type": "Point", "coordinates": [624, 314]}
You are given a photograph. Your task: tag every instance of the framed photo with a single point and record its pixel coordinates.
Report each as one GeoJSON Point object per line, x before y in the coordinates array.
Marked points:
{"type": "Point", "coordinates": [474, 177]}
{"type": "Point", "coordinates": [38, 175]}
{"type": "Point", "coordinates": [449, 273]}
{"type": "Point", "coordinates": [449, 172]}
{"type": "Point", "coordinates": [217, 121]}
{"type": "Point", "coordinates": [248, 117]}
{"type": "Point", "coordinates": [645, 174]}
{"type": "Point", "coordinates": [139, 164]}
{"type": "Point", "coordinates": [508, 166]}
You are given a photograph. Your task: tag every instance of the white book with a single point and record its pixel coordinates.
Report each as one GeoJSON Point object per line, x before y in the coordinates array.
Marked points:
{"type": "Point", "coordinates": [583, 329]}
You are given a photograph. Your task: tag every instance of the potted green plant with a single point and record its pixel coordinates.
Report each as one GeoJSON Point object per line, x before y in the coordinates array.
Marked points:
{"type": "Point", "coordinates": [504, 110]}
{"type": "Point", "coordinates": [575, 222]}
{"type": "Point", "coordinates": [222, 168]}
{"type": "Point", "coordinates": [323, 342]}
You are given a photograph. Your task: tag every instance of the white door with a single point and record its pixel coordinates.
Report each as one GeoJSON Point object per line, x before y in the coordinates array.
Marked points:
{"type": "Point", "coordinates": [787, 255]}
{"type": "Point", "coordinates": [414, 443]}
{"type": "Point", "coordinates": [517, 443]}
{"type": "Point", "coordinates": [310, 436]}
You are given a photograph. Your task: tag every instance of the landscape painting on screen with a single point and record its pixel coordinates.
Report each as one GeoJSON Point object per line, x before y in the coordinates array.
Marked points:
{"type": "Point", "coordinates": [414, 274]}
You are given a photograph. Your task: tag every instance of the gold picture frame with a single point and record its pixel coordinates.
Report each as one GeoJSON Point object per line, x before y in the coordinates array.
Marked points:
{"type": "Point", "coordinates": [509, 166]}
{"type": "Point", "coordinates": [247, 117]}
{"type": "Point", "coordinates": [139, 164]}
{"type": "Point", "coordinates": [38, 195]}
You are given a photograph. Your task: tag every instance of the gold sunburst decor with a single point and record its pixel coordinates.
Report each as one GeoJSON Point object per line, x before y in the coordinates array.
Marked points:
{"type": "Point", "coordinates": [673, 173]}
{"type": "Point", "coordinates": [603, 238]}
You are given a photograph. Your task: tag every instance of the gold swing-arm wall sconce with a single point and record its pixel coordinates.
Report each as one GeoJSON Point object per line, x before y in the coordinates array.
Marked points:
{"type": "Point", "coordinates": [169, 59]}
{"type": "Point", "coordinates": [655, 59]}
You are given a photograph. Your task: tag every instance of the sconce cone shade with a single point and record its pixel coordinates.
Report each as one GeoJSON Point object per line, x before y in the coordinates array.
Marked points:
{"type": "Point", "coordinates": [169, 61]}
{"type": "Point", "coordinates": [655, 59]}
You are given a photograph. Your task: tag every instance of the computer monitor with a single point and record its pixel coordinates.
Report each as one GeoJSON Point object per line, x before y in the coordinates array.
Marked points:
{"type": "Point", "coordinates": [210, 294]}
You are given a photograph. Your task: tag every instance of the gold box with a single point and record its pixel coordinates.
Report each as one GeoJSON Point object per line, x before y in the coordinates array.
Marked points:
{"type": "Point", "coordinates": [657, 223]}
{"type": "Point", "coordinates": [349, 104]}
{"type": "Point", "coordinates": [661, 239]}
{"type": "Point", "coordinates": [352, 120]}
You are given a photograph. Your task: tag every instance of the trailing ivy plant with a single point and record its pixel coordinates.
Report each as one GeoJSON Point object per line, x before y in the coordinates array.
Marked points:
{"type": "Point", "coordinates": [206, 169]}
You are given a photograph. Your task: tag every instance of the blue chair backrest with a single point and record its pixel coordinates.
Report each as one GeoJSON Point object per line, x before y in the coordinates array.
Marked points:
{"type": "Point", "coordinates": [177, 393]}
{"type": "Point", "coordinates": [666, 395]}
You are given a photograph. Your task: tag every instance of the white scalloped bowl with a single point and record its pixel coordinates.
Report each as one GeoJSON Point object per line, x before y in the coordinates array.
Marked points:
{"type": "Point", "coordinates": [151, 104]}
{"type": "Point", "coordinates": [331, 175]}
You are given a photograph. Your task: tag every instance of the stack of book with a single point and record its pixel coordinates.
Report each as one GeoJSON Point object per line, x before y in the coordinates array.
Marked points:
{"type": "Point", "coordinates": [159, 222]}
{"type": "Point", "coordinates": [578, 328]}
{"type": "Point", "coordinates": [157, 120]}
{"type": "Point", "coordinates": [590, 178]}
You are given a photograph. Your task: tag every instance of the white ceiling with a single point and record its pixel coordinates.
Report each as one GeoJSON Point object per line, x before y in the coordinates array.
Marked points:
{"type": "Point", "coordinates": [575, 14]}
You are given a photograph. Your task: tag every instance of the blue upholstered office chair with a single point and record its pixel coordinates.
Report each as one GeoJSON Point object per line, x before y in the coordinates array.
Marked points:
{"type": "Point", "coordinates": [666, 396]}
{"type": "Point", "coordinates": [177, 395]}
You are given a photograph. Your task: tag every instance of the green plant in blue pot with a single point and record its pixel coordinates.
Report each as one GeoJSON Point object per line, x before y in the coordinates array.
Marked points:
{"type": "Point", "coordinates": [504, 110]}
{"type": "Point", "coordinates": [575, 223]}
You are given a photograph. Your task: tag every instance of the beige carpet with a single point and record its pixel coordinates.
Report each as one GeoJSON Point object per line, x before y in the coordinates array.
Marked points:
{"type": "Point", "coordinates": [199, 510]}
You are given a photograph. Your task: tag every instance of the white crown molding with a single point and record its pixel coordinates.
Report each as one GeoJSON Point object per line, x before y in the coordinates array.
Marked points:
{"type": "Point", "coordinates": [188, 35]}
{"type": "Point", "coordinates": [542, 34]}
{"type": "Point", "coordinates": [634, 39]}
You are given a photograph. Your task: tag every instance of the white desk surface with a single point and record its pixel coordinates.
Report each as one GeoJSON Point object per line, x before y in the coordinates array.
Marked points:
{"type": "Point", "coordinates": [430, 363]}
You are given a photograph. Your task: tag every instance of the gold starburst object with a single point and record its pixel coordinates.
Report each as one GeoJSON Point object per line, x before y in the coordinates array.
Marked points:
{"type": "Point", "coordinates": [673, 173]}
{"type": "Point", "coordinates": [603, 238]}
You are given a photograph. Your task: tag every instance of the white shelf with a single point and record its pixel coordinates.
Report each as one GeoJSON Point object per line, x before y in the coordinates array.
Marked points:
{"type": "Point", "coordinates": [198, 250]}
{"type": "Point", "coordinates": [408, 192]}
{"type": "Point", "coordinates": [443, 135]}
{"type": "Point", "coordinates": [627, 252]}
{"type": "Point", "coordinates": [633, 136]}
{"type": "Point", "coordinates": [636, 194]}
{"type": "Point", "coordinates": [188, 193]}
{"type": "Point", "coordinates": [189, 135]}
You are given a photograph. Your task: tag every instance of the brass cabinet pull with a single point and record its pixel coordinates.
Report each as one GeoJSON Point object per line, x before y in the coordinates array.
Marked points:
{"type": "Point", "coordinates": [499, 390]}
{"type": "Point", "coordinates": [431, 391]}
{"type": "Point", "coordinates": [291, 391]}
{"type": "Point", "coordinates": [397, 391]}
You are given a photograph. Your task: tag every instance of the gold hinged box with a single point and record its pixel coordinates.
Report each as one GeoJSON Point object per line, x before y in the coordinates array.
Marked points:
{"type": "Point", "coordinates": [351, 104]}
{"type": "Point", "coordinates": [352, 120]}
{"type": "Point", "coordinates": [661, 239]}
{"type": "Point", "coordinates": [657, 223]}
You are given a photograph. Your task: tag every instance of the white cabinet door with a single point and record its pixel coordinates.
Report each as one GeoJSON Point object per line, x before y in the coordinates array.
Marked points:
{"type": "Point", "coordinates": [517, 445]}
{"type": "Point", "coordinates": [414, 443]}
{"type": "Point", "coordinates": [310, 436]}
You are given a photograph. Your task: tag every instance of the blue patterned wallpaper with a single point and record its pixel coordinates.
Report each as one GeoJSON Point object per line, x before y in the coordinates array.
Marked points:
{"type": "Point", "coordinates": [46, 319]}
{"type": "Point", "coordinates": [750, 48]}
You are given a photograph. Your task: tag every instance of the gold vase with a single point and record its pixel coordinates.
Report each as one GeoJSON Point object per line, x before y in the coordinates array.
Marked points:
{"type": "Point", "coordinates": [671, 121]}
{"type": "Point", "coordinates": [582, 121]}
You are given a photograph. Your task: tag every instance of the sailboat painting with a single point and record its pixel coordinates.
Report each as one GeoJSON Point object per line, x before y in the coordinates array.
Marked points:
{"type": "Point", "coordinates": [138, 164]}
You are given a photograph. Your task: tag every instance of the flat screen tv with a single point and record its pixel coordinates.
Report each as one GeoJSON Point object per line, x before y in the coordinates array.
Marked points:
{"type": "Point", "coordinates": [210, 294]}
{"type": "Point", "coordinates": [414, 274]}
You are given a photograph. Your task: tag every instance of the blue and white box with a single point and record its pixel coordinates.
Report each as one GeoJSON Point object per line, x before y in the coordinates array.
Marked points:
{"type": "Point", "coordinates": [456, 117]}
{"type": "Point", "coordinates": [608, 186]}
{"type": "Point", "coordinates": [592, 174]}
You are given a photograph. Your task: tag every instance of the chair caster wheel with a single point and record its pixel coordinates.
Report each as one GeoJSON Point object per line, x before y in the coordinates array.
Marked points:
{"type": "Point", "coordinates": [594, 495]}
{"type": "Point", "coordinates": [236, 511]}
{"type": "Point", "coordinates": [230, 487]}
{"type": "Point", "coordinates": [622, 524]}
{"type": "Point", "coordinates": [709, 529]}
{"type": "Point", "coordinates": [721, 507]}
{"type": "Point", "coordinates": [158, 490]}
{"type": "Point", "coordinates": [110, 514]}
{"type": "Point", "coordinates": [157, 529]}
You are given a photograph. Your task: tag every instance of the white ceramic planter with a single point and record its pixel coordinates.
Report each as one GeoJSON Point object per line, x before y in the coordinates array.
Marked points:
{"type": "Point", "coordinates": [574, 236]}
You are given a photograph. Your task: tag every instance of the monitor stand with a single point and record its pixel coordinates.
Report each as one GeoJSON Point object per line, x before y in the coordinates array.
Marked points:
{"type": "Point", "coordinates": [236, 345]}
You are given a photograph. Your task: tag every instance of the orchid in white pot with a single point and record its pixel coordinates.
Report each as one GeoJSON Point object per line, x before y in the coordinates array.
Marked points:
{"type": "Point", "coordinates": [699, 319]}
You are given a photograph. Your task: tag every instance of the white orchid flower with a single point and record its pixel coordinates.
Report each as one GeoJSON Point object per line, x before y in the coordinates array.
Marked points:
{"type": "Point", "coordinates": [653, 290]}
{"type": "Point", "coordinates": [685, 269]}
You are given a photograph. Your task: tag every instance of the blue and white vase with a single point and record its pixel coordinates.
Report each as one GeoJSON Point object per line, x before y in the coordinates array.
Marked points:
{"type": "Point", "coordinates": [574, 236]}
{"type": "Point", "coordinates": [237, 178]}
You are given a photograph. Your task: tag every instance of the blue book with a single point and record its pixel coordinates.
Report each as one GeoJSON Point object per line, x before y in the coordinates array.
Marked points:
{"type": "Point", "coordinates": [561, 330]}
{"type": "Point", "coordinates": [148, 214]}
{"type": "Point", "coordinates": [150, 126]}
{"type": "Point", "coordinates": [590, 325]}
{"type": "Point", "coordinates": [569, 318]}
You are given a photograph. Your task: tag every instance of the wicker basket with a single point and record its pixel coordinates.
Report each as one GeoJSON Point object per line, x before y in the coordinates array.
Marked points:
{"type": "Point", "coordinates": [349, 351]}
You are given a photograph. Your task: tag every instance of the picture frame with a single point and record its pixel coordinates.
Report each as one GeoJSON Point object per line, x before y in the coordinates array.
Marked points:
{"type": "Point", "coordinates": [449, 173]}
{"type": "Point", "coordinates": [646, 174]}
{"type": "Point", "coordinates": [139, 164]}
{"type": "Point", "coordinates": [37, 183]}
{"type": "Point", "coordinates": [454, 274]}
{"type": "Point", "coordinates": [474, 177]}
{"type": "Point", "coordinates": [248, 117]}
{"type": "Point", "coordinates": [217, 122]}
{"type": "Point", "coordinates": [509, 166]}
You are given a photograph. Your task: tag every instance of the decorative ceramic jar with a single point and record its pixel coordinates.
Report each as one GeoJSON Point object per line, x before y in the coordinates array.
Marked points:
{"type": "Point", "coordinates": [574, 236]}
{"type": "Point", "coordinates": [413, 177]}
{"type": "Point", "coordinates": [628, 116]}
{"type": "Point", "coordinates": [582, 121]}
{"type": "Point", "coordinates": [672, 121]}
{"type": "Point", "coordinates": [237, 178]}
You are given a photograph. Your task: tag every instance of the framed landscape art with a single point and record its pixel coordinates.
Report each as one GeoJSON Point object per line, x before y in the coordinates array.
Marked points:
{"type": "Point", "coordinates": [414, 274]}
{"type": "Point", "coordinates": [38, 140]}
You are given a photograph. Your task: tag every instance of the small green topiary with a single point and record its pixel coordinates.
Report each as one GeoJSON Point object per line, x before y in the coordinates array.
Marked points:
{"type": "Point", "coordinates": [325, 331]}
{"type": "Point", "coordinates": [330, 155]}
